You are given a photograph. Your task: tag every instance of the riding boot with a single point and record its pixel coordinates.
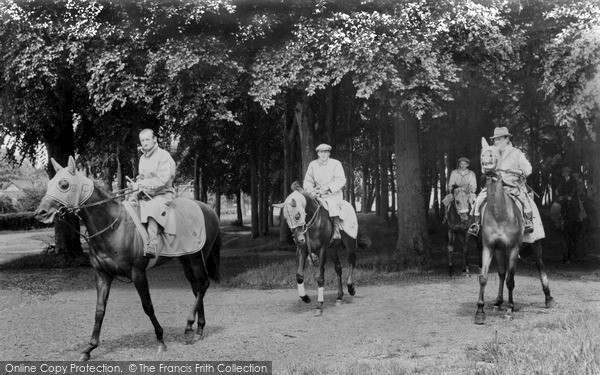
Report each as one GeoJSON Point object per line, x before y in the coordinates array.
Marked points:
{"type": "Point", "coordinates": [336, 228]}
{"type": "Point", "coordinates": [527, 223]}
{"type": "Point", "coordinates": [474, 228]}
{"type": "Point", "coordinates": [152, 244]}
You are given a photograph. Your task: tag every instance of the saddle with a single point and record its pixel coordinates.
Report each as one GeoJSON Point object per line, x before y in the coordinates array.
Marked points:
{"type": "Point", "coordinates": [348, 219]}
{"type": "Point", "coordinates": [184, 231]}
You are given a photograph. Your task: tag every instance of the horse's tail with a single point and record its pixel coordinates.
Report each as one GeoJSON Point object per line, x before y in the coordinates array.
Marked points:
{"type": "Point", "coordinates": [213, 262]}
{"type": "Point", "coordinates": [363, 242]}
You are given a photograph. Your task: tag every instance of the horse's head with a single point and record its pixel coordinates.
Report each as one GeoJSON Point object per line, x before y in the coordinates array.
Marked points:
{"type": "Point", "coordinates": [68, 189]}
{"type": "Point", "coordinates": [462, 203]}
{"type": "Point", "coordinates": [294, 212]}
{"type": "Point", "coordinates": [489, 158]}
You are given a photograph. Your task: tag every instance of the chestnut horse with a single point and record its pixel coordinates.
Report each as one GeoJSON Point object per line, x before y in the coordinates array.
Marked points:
{"type": "Point", "coordinates": [458, 223]}
{"type": "Point", "coordinates": [116, 247]}
{"type": "Point", "coordinates": [312, 230]}
{"type": "Point", "coordinates": [502, 235]}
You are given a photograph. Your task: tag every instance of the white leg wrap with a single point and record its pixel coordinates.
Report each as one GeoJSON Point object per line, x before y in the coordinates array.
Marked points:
{"type": "Point", "coordinates": [320, 294]}
{"type": "Point", "coordinates": [301, 291]}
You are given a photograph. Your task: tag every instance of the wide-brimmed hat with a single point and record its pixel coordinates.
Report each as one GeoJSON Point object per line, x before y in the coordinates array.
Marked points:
{"type": "Point", "coordinates": [462, 158]}
{"type": "Point", "coordinates": [501, 132]}
{"type": "Point", "coordinates": [323, 147]}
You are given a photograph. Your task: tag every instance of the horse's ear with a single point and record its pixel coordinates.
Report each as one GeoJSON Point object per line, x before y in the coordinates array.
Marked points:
{"type": "Point", "coordinates": [71, 166]}
{"type": "Point", "coordinates": [484, 143]}
{"type": "Point", "coordinates": [296, 186]}
{"type": "Point", "coordinates": [293, 202]}
{"type": "Point", "coordinates": [57, 167]}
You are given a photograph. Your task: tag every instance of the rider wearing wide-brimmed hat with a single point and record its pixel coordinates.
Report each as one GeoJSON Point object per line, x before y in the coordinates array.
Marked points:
{"type": "Point", "coordinates": [514, 168]}
{"type": "Point", "coordinates": [461, 177]}
{"type": "Point", "coordinates": [325, 178]}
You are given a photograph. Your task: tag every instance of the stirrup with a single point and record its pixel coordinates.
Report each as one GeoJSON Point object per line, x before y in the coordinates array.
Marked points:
{"type": "Point", "coordinates": [474, 229]}
{"type": "Point", "coordinates": [150, 250]}
{"type": "Point", "coordinates": [527, 226]}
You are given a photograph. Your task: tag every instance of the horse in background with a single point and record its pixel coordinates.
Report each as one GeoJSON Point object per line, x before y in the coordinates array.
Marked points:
{"type": "Point", "coordinates": [116, 247]}
{"type": "Point", "coordinates": [312, 231]}
{"type": "Point", "coordinates": [568, 221]}
{"type": "Point", "coordinates": [502, 236]}
{"type": "Point", "coordinates": [458, 224]}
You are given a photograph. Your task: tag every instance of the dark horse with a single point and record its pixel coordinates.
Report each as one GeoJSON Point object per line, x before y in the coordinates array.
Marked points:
{"type": "Point", "coordinates": [458, 223]}
{"type": "Point", "coordinates": [116, 247]}
{"type": "Point", "coordinates": [312, 231]}
{"type": "Point", "coordinates": [569, 224]}
{"type": "Point", "coordinates": [502, 233]}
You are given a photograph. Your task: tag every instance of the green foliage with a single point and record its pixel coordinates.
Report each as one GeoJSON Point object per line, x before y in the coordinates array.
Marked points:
{"type": "Point", "coordinates": [31, 199]}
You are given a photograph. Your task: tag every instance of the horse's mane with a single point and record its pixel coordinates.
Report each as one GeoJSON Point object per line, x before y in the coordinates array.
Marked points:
{"type": "Point", "coordinates": [311, 202]}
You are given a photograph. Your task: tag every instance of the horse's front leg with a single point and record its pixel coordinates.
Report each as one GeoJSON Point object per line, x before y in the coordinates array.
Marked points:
{"type": "Point", "coordinates": [103, 282]}
{"type": "Point", "coordinates": [302, 254]}
{"type": "Point", "coordinates": [141, 285]}
{"type": "Point", "coordinates": [465, 260]}
{"type": "Point", "coordinates": [450, 252]}
{"type": "Point", "coordinates": [486, 259]}
{"type": "Point", "coordinates": [321, 281]}
{"type": "Point", "coordinates": [501, 259]}
{"type": "Point", "coordinates": [510, 280]}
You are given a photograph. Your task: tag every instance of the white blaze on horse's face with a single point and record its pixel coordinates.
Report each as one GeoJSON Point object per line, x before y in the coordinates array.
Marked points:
{"type": "Point", "coordinates": [294, 210]}
{"type": "Point", "coordinates": [461, 202]}
{"type": "Point", "coordinates": [489, 157]}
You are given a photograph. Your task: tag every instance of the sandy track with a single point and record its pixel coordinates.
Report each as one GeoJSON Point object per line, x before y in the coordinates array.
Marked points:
{"type": "Point", "coordinates": [422, 321]}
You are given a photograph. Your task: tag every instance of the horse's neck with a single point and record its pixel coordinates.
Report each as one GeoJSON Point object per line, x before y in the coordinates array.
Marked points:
{"type": "Point", "coordinates": [498, 202]}
{"type": "Point", "coordinates": [98, 217]}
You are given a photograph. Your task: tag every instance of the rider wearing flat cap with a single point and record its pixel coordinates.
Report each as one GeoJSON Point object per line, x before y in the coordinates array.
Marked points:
{"type": "Point", "coordinates": [461, 177]}
{"type": "Point", "coordinates": [155, 183]}
{"type": "Point", "coordinates": [514, 168]}
{"type": "Point", "coordinates": [325, 178]}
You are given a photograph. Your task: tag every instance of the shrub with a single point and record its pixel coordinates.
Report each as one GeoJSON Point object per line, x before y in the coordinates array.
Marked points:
{"type": "Point", "coordinates": [31, 199]}
{"type": "Point", "coordinates": [6, 205]}
{"type": "Point", "coordinates": [20, 221]}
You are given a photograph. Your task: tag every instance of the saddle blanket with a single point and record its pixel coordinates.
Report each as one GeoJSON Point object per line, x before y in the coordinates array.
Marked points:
{"type": "Point", "coordinates": [184, 231]}
{"type": "Point", "coordinates": [348, 219]}
{"type": "Point", "coordinates": [538, 228]}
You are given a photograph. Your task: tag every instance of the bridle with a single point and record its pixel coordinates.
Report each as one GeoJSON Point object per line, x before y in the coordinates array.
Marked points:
{"type": "Point", "coordinates": [311, 222]}
{"type": "Point", "coordinates": [64, 210]}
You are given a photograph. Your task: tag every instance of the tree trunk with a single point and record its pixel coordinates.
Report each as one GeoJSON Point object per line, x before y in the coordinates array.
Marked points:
{"type": "Point", "coordinates": [412, 245]}
{"type": "Point", "coordinates": [197, 177]}
{"type": "Point", "coordinates": [218, 202]}
{"type": "Point", "coordinates": [307, 133]}
{"type": "Point", "coordinates": [365, 194]}
{"type": "Point", "coordinates": [238, 209]}
{"type": "Point", "coordinates": [383, 170]}
{"type": "Point", "coordinates": [254, 194]}
{"type": "Point", "coordinates": [392, 188]}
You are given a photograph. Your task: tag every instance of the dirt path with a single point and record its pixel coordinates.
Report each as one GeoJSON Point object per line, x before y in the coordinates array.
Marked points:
{"type": "Point", "coordinates": [424, 322]}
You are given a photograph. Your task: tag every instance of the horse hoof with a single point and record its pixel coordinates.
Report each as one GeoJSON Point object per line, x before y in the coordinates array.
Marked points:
{"type": "Point", "coordinates": [479, 319]}
{"type": "Point", "coordinates": [198, 337]}
{"type": "Point", "coordinates": [318, 312]}
{"type": "Point", "coordinates": [305, 299]}
{"type": "Point", "coordinates": [338, 302]}
{"type": "Point", "coordinates": [189, 337]}
{"type": "Point", "coordinates": [84, 357]}
{"type": "Point", "coordinates": [162, 348]}
{"type": "Point", "coordinates": [550, 303]}
{"type": "Point", "coordinates": [508, 316]}
{"type": "Point", "coordinates": [351, 290]}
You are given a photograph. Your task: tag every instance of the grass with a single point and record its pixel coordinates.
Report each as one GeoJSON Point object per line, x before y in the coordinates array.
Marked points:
{"type": "Point", "coordinates": [565, 345]}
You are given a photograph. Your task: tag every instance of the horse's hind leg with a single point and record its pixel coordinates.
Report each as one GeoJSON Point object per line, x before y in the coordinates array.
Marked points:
{"type": "Point", "coordinates": [141, 285]}
{"type": "Point", "coordinates": [335, 257]}
{"type": "Point", "coordinates": [350, 244]}
{"type": "Point", "coordinates": [103, 282]}
{"type": "Point", "coordinates": [537, 253]}
{"type": "Point", "coordinates": [198, 279]}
